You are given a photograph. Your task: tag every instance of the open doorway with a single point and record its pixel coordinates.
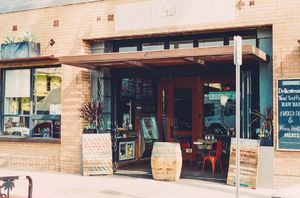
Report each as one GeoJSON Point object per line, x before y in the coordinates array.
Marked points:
{"type": "Point", "coordinates": [180, 117]}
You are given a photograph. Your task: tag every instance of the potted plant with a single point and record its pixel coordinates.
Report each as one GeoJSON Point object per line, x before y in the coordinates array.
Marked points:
{"type": "Point", "coordinates": [94, 138]}
{"type": "Point", "coordinates": [91, 112]}
{"type": "Point", "coordinates": [20, 48]}
{"type": "Point", "coordinates": [265, 131]}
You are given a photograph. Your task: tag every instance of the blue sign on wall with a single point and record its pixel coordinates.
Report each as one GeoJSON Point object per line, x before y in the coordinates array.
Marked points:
{"type": "Point", "coordinates": [288, 114]}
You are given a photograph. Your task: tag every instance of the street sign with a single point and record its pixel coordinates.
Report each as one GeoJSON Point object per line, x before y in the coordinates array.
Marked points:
{"type": "Point", "coordinates": [238, 62]}
{"type": "Point", "coordinates": [237, 50]}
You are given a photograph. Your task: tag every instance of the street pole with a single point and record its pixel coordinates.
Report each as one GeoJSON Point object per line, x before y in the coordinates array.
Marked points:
{"type": "Point", "coordinates": [238, 63]}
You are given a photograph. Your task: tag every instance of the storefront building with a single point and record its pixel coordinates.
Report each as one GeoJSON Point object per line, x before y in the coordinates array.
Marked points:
{"type": "Point", "coordinates": [170, 61]}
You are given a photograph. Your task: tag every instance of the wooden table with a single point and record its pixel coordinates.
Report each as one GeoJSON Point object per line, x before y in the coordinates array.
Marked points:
{"type": "Point", "coordinates": [204, 146]}
{"type": "Point", "coordinates": [204, 142]}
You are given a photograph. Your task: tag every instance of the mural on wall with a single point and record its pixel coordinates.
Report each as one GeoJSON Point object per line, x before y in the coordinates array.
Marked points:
{"type": "Point", "coordinates": [18, 5]}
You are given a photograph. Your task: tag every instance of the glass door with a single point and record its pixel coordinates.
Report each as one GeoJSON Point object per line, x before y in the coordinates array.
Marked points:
{"type": "Point", "coordinates": [182, 114]}
{"type": "Point", "coordinates": [179, 111]}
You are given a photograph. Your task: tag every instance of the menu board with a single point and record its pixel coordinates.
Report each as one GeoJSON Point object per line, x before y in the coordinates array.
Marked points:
{"type": "Point", "coordinates": [288, 114]}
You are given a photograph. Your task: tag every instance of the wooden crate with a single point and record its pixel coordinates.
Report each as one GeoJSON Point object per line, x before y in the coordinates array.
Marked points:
{"type": "Point", "coordinates": [96, 154]}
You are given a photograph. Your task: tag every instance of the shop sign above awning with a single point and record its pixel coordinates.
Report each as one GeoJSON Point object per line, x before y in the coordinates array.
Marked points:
{"type": "Point", "coordinates": [161, 58]}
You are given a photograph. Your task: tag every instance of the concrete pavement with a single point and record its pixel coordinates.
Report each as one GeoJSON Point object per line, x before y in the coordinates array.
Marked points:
{"type": "Point", "coordinates": [58, 185]}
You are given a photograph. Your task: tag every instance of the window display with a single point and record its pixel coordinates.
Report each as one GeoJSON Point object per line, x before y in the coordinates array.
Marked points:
{"type": "Point", "coordinates": [47, 91]}
{"type": "Point", "coordinates": [126, 150]}
{"type": "Point", "coordinates": [16, 125]}
{"type": "Point", "coordinates": [17, 92]}
{"type": "Point", "coordinates": [137, 99]}
{"type": "Point", "coordinates": [32, 102]}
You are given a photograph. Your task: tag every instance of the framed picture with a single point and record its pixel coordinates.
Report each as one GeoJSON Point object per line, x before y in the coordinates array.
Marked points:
{"type": "Point", "coordinates": [149, 127]}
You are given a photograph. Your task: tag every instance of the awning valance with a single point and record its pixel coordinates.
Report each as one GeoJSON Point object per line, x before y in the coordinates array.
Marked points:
{"type": "Point", "coordinates": [146, 59]}
{"type": "Point", "coordinates": [41, 61]}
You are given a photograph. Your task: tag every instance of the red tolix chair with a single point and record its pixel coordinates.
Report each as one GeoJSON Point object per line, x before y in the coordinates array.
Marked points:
{"type": "Point", "coordinates": [214, 158]}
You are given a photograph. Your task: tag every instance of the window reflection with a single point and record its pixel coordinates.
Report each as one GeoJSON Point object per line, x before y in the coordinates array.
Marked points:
{"type": "Point", "coordinates": [16, 126]}
{"type": "Point", "coordinates": [247, 40]}
{"type": "Point", "coordinates": [219, 108]}
{"type": "Point", "coordinates": [181, 44]}
{"type": "Point", "coordinates": [211, 42]}
{"type": "Point", "coordinates": [47, 91]}
{"type": "Point", "coordinates": [128, 49]}
{"type": "Point", "coordinates": [153, 46]}
{"type": "Point", "coordinates": [32, 109]}
{"type": "Point", "coordinates": [183, 109]}
{"type": "Point", "coordinates": [106, 121]}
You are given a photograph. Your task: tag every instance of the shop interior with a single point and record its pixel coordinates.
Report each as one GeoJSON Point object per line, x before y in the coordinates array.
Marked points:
{"type": "Point", "coordinates": [197, 112]}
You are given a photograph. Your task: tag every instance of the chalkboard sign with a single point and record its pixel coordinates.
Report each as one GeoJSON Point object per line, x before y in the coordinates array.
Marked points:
{"type": "Point", "coordinates": [288, 114]}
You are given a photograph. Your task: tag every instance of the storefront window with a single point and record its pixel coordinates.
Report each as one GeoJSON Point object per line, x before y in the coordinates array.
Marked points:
{"type": "Point", "coordinates": [153, 46]}
{"type": "Point", "coordinates": [16, 126]}
{"type": "Point", "coordinates": [46, 128]}
{"type": "Point", "coordinates": [219, 108]}
{"type": "Point", "coordinates": [101, 47]}
{"type": "Point", "coordinates": [106, 98]}
{"type": "Point", "coordinates": [32, 102]}
{"type": "Point", "coordinates": [128, 49]}
{"type": "Point", "coordinates": [47, 92]}
{"type": "Point", "coordinates": [17, 92]}
{"type": "Point", "coordinates": [247, 40]}
{"type": "Point", "coordinates": [211, 42]}
{"type": "Point", "coordinates": [181, 44]}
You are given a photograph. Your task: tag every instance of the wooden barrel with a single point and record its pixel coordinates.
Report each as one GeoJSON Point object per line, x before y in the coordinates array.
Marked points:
{"type": "Point", "coordinates": [166, 161]}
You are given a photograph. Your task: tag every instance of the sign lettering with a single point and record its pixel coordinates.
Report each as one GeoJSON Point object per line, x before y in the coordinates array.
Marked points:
{"type": "Point", "coordinates": [164, 13]}
{"type": "Point", "coordinates": [288, 114]}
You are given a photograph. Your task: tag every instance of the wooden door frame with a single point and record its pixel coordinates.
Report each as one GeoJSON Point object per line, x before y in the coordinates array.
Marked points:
{"type": "Point", "coordinates": [197, 104]}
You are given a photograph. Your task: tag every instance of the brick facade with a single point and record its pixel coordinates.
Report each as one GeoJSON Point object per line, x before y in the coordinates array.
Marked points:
{"type": "Point", "coordinates": [90, 20]}
{"type": "Point", "coordinates": [30, 155]}
{"type": "Point", "coordinates": [75, 91]}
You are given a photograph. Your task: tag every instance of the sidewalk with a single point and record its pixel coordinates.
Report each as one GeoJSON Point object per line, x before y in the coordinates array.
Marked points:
{"type": "Point", "coordinates": [57, 185]}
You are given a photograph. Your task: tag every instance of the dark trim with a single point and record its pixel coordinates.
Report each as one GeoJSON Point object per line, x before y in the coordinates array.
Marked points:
{"type": "Point", "coordinates": [41, 61]}
{"type": "Point", "coordinates": [32, 106]}
{"type": "Point", "coordinates": [23, 139]}
{"type": "Point", "coordinates": [118, 42]}
{"type": "Point", "coordinates": [39, 58]}
{"type": "Point", "coordinates": [2, 87]}
{"type": "Point", "coordinates": [234, 31]}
